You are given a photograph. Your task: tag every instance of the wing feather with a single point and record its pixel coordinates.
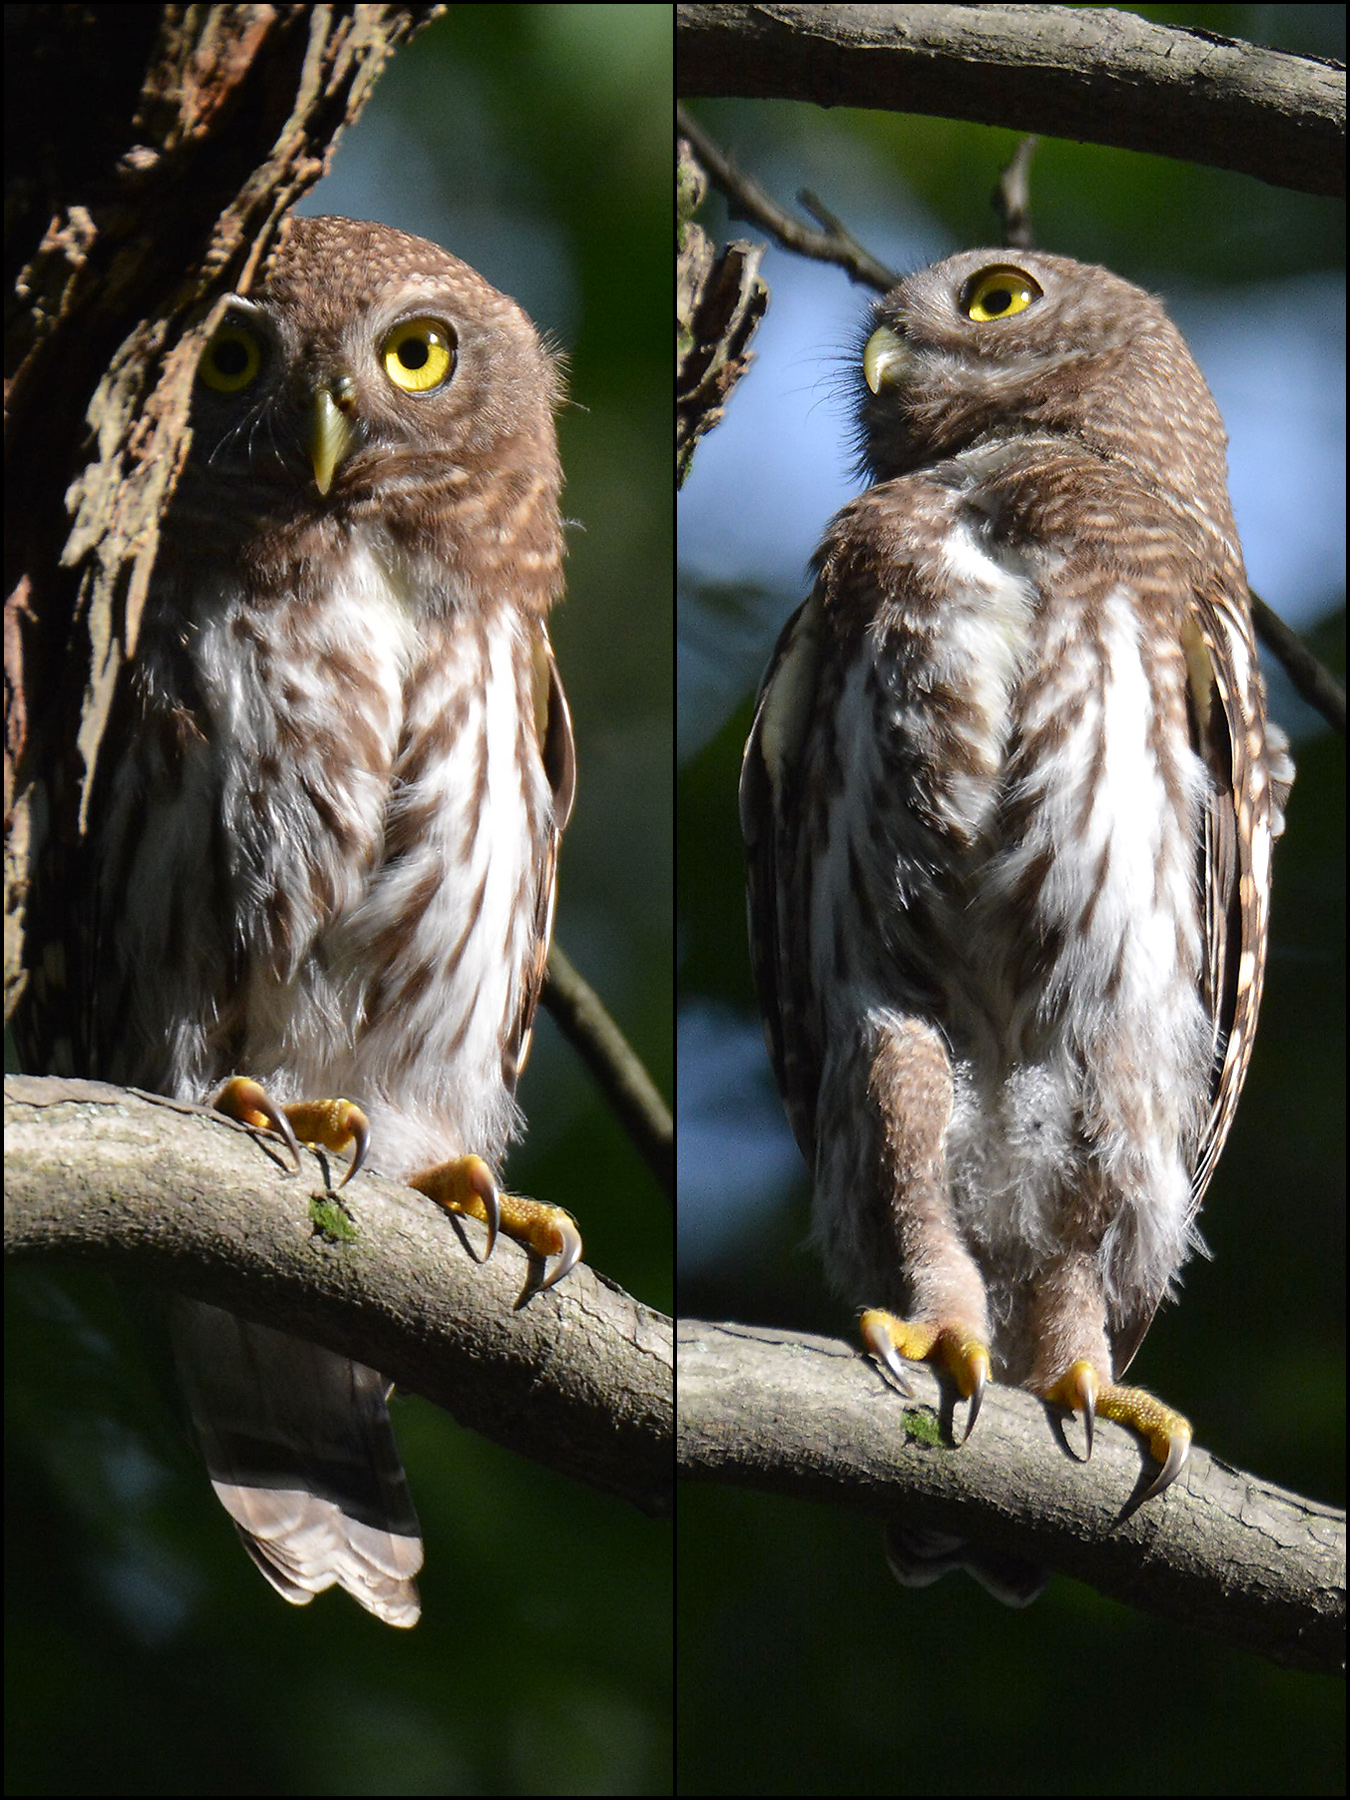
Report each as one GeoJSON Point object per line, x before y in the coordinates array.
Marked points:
{"type": "Point", "coordinates": [770, 803]}
{"type": "Point", "coordinates": [1250, 774]}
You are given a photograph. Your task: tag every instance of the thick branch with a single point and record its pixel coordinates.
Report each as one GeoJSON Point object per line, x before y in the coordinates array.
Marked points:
{"type": "Point", "coordinates": [175, 1196]}
{"type": "Point", "coordinates": [807, 1416]}
{"type": "Point", "coordinates": [1095, 74]}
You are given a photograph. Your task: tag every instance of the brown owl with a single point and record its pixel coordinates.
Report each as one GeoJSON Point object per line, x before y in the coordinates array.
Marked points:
{"type": "Point", "coordinates": [1009, 802]}
{"type": "Point", "coordinates": [326, 855]}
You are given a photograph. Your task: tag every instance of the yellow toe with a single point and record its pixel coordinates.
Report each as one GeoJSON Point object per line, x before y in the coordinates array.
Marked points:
{"type": "Point", "coordinates": [1167, 1433]}
{"type": "Point", "coordinates": [466, 1185]}
{"type": "Point", "coordinates": [955, 1345]}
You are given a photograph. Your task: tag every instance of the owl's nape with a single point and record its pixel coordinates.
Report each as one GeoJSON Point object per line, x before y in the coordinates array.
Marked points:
{"type": "Point", "coordinates": [326, 834]}
{"type": "Point", "coordinates": [1008, 804]}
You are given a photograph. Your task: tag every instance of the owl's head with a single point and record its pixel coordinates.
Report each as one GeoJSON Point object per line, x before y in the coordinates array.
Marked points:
{"type": "Point", "coordinates": [1000, 344]}
{"type": "Point", "coordinates": [374, 378]}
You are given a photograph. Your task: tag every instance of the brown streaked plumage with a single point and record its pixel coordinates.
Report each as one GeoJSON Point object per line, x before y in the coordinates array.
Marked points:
{"type": "Point", "coordinates": [1009, 802]}
{"type": "Point", "coordinates": [327, 853]}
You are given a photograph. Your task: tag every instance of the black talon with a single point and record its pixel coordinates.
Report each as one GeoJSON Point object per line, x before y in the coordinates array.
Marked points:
{"type": "Point", "coordinates": [1178, 1454]}
{"type": "Point", "coordinates": [278, 1122]}
{"type": "Point", "coordinates": [976, 1399]}
{"type": "Point", "coordinates": [884, 1352]}
{"type": "Point", "coordinates": [568, 1257]}
{"type": "Point", "coordinates": [486, 1189]}
{"type": "Point", "coordinates": [361, 1134]}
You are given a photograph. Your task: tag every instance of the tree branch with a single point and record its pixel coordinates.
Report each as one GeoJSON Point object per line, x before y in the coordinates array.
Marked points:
{"type": "Point", "coordinates": [173, 1195]}
{"type": "Point", "coordinates": [834, 243]}
{"type": "Point", "coordinates": [584, 1020]}
{"type": "Point", "coordinates": [1318, 686]}
{"type": "Point", "coordinates": [747, 200]}
{"type": "Point", "coordinates": [806, 1416]}
{"type": "Point", "coordinates": [1095, 74]}
{"type": "Point", "coordinates": [719, 302]}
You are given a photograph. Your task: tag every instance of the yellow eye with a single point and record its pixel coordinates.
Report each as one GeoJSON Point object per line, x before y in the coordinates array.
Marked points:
{"type": "Point", "coordinates": [419, 355]}
{"type": "Point", "coordinates": [231, 361]}
{"type": "Point", "coordinates": [998, 294]}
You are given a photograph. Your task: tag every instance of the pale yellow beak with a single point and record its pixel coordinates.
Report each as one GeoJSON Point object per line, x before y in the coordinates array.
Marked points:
{"type": "Point", "coordinates": [885, 359]}
{"type": "Point", "coordinates": [330, 432]}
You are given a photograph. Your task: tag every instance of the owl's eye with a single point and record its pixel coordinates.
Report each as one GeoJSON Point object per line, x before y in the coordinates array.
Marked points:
{"type": "Point", "coordinates": [998, 294]}
{"type": "Point", "coordinates": [232, 359]}
{"type": "Point", "coordinates": [419, 355]}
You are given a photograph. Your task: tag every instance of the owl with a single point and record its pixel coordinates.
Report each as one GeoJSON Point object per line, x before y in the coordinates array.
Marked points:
{"type": "Point", "coordinates": [327, 837]}
{"type": "Point", "coordinates": [1009, 802]}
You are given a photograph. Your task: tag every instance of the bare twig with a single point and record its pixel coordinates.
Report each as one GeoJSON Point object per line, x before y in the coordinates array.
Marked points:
{"type": "Point", "coordinates": [1012, 198]}
{"type": "Point", "coordinates": [580, 1015]}
{"type": "Point", "coordinates": [1318, 686]}
{"type": "Point", "coordinates": [748, 200]}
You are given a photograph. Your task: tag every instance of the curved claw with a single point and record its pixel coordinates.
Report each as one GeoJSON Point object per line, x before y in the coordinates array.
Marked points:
{"type": "Point", "coordinates": [1178, 1454]}
{"type": "Point", "coordinates": [568, 1257]}
{"type": "Point", "coordinates": [279, 1123]}
{"type": "Point", "coordinates": [1077, 1390]}
{"type": "Point", "coordinates": [1087, 1387]}
{"type": "Point", "coordinates": [480, 1180]}
{"type": "Point", "coordinates": [879, 1344]}
{"type": "Point", "coordinates": [249, 1101]}
{"type": "Point", "coordinates": [465, 1185]}
{"type": "Point", "coordinates": [359, 1126]}
{"type": "Point", "coordinates": [1167, 1433]}
{"type": "Point", "coordinates": [979, 1380]}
